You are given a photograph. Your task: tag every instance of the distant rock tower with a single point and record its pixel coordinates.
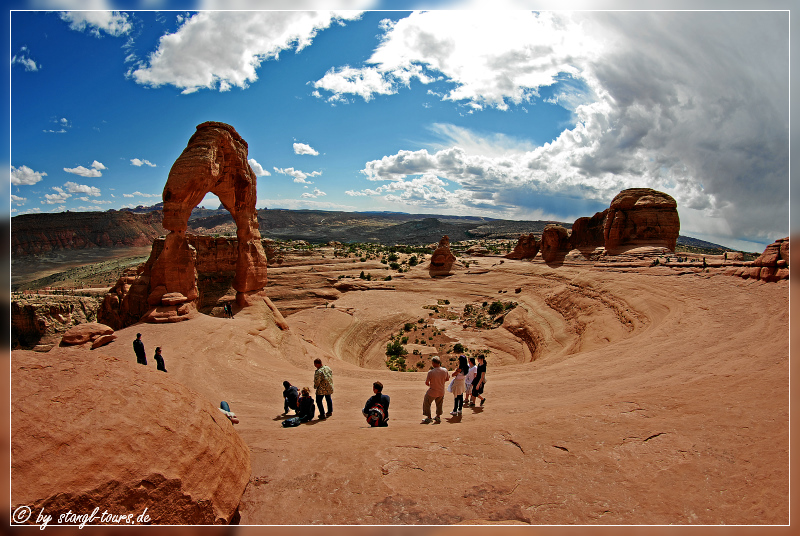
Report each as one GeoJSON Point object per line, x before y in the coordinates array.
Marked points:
{"type": "Point", "coordinates": [442, 259]}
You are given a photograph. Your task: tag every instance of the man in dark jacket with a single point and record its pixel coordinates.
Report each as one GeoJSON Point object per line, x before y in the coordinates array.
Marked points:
{"type": "Point", "coordinates": [138, 349]}
{"type": "Point", "coordinates": [289, 397]}
{"type": "Point", "coordinates": [378, 399]}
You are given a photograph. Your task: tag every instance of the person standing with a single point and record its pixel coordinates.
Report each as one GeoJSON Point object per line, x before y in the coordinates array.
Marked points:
{"type": "Point", "coordinates": [323, 384]}
{"type": "Point", "coordinates": [473, 371]}
{"type": "Point", "coordinates": [459, 385]}
{"type": "Point", "coordinates": [378, 402]}
{"type": "Point", "coordinates": [138, 349]}
{"type": "Point", "coordinates": [159, 360]}
{"type": "Point", "coordinates": [479, 381]}
{"type": "Point", "coordinates": [435, 381]}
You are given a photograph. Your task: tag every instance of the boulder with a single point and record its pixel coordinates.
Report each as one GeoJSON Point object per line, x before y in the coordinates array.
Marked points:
{"type": "Point", "coordinates": [771, 266]}
{"type": "Point", "coordinates": [555, 243]}
{"type": "Point", "coordinates": [641, 217]}
{"type": "Point", "coordinates": [102, 340]}
{"type": "Point", "coordinates": [91, 430]}
{"type": "Point", "coordinates": [83, 333]}
{"type": "Point", "coordinates": [527, 247]}
{"type": "Point", "coordinates": [587, 233]}
{"type": "Point", "coordinates": [442, 259]}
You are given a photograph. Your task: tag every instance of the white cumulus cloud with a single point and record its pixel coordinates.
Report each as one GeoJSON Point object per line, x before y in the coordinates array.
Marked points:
{"type": "Point", "coordinates": [96, 170]}
{"type": "Point", "coordinates": [75, 188]}
{"type": "Point", "coordinates": [58, 198]}
{"type": "Point", "coordinates": [297, 175]}
{"type": "Point", "coordinates": [139, 163]}
{"type": "Point", "coordinates": [695, 104]}
{"type": "Point", "coordinates": [317, 193]}
{"type": "Point", "coordinates": [302, 148]}
{"type": "Point", "coordinates": [25, 176]}
{"type": "Point", "coordinates": [18, 200]}
{"type": "Point", "coordinates": [221, 49]}
{"type": "Point", "coordinates": [257, 168]}
{"type": "Point", "coordinates": [113, 23]}
{"type": "Point", "coordinates": [23, 58]}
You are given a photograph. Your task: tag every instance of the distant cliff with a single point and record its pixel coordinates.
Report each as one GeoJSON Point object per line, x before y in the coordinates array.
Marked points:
{"type": "Point", "coordinates": [32, 234]}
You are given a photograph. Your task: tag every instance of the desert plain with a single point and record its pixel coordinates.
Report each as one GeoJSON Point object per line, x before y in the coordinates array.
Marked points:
{"type": "Point", "coordinates": [616, 395]}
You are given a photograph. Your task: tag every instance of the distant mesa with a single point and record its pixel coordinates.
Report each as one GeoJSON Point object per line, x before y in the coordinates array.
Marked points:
{"type": "Point", "coordinates": [442, 259]}
{"type": "Point", "coordinates": [99, 431]}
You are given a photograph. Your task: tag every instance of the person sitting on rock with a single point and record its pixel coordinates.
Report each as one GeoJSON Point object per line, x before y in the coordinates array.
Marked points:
{"type": "Point", "coordinates": [376, 410]}
{"type": "Point", "coordinates": [138, 349]}
{"type": "Point", "coordinates": [159, 360]}
{"type": "Point", "coordinates": [289, 397]}
{"type": "Point", "coordinates": [305, 405]}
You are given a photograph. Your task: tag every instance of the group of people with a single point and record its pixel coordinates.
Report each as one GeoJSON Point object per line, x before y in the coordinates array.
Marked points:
{"type": "Point", "coordinates": [227, 310]}
{"type": "Point", "coordinates": [303, 404]}
{"type": "Point", "coordinates": [467, 385]}
{"type": "Point", "coordinates": [467, 380]}
{"type": "Point", "coordinates": [141, 356]}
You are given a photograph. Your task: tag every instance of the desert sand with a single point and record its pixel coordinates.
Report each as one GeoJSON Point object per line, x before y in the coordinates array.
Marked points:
{"type": "Point", "coordinates": [638, 396]}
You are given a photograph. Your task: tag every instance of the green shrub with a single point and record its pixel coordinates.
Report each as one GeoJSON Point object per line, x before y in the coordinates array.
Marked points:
{"type": "Point", "coordinates": [496, 308]}
{"type": "Point", "coordinates": [408, 326]}
{"type": "Point", "coordinates": [459, 348]}
{"type": "Point", "coordinates": [395, 349]}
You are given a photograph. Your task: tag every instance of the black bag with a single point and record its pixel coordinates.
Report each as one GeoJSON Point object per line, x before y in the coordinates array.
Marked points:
{"type": "Point", "coordinates": [376, 415]}
{"type": "Point", "coordinates": [291, 421]}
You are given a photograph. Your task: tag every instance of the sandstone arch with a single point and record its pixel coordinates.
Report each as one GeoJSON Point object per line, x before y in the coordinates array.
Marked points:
{"type": "Point", "coordinates": [214, 161]}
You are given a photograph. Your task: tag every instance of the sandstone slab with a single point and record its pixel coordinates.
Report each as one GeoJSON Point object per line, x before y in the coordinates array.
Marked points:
{"type": "Point", "coordinates": [92, 431]}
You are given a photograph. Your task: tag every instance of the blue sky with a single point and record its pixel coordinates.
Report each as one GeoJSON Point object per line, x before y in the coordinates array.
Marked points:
{"type": "Point", "coordinates": [509, 114]}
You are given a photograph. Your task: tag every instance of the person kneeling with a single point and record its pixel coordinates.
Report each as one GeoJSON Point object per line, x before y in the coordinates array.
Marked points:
{"type": "Point", "coordinates": [376, 410]}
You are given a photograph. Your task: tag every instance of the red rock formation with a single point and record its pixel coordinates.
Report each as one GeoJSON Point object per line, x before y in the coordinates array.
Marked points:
{"type": "Point", "coordinates": [770, 266]}
{"type": "Point", "coordinates": [94, 431]}
{"type": "Point", "coordinates": [641, 217]}
{"type": "Point", "coordinates": [527, 247]}
{"type": "Point", "coordinates": [215, 161]}
{"type": "Point", "coordinates": [42, 320]}
{"type": "Point", "coordinates": [587, 233]}
{"type": "Point", "coordinates": [442, 259]}
{"type": "Point", "coordinates": [555, 243]}
{"type": "Point", "coordinates": [90, 332]}
{"type": "Point", "coordinates": [215, 264]}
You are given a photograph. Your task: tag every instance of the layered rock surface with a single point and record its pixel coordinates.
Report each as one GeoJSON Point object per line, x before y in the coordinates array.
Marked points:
{"type": "Point", "coordinates": [91, 430]}
{"type": "Point", "coordinates": [33, 234]}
